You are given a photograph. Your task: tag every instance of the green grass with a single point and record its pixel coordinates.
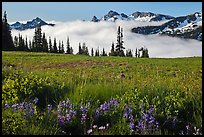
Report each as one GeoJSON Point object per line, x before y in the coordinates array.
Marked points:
{"type": "Point", "coordinates": [172, 84]}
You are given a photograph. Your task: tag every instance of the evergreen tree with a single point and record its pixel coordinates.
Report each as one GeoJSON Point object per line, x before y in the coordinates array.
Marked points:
{"type": "Point", "coordinates": [68, 46]}
{"type": "Point", "coordinates": [136, 53]}
{"type": "Point", "coordinates": [71, 50]}
{"type": "Point", "coordinates": [97, 52]}
{"type": "Point", "coordinates": [119, 44]}
{"type": "Point", "coordinates": [84, 49]}
{"type": "Point", "coordinates": [50, 45]}
{"type": "Point", "coordinates": [103, 53]}
{"type": "Point", "coordinates": [38, 46]}
{"type": "Point", "coordinates": [15, 41]}
{"type": "Point", "coordinates": [80, 49]}
{"type": "Point", "coordinates": [44, 43]}
{"type": "Point", "coordinates": [145, 53]}
{"type": "Point", "coordinates": [26, 45]}
{"type": "Point", "coordinates": [55, 46]}
{"type": "Point", "coordinates": [129, 53]}
{"type": "Point", "coordinates": [112, 53]}
{"type": "Point", "coordinates": [62, 48]}
{"type": "Point", "coordinates": [7, 41]}
{"type": "Point", "coordinates": [92, 52]}
{"type": "Point", "coordinates": [21, 44]}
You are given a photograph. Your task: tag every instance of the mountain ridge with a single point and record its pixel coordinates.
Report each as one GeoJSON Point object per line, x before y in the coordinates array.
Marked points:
{"type": "Point", "coordinates": [29, 24]}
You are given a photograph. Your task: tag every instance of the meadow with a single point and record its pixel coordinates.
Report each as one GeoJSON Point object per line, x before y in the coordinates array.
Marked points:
{"type": "Point", "coordinates": [47, 93]}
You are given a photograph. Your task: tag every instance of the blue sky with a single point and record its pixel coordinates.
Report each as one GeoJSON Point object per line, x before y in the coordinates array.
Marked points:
{"type": "Point", "coordinates": [68, 11]}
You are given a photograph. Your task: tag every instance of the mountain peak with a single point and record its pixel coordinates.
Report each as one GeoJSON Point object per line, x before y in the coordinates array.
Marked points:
{"type": "Point", "coordinates": [30, 24]}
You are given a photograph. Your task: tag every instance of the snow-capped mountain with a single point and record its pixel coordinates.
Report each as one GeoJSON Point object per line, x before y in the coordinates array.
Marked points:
{"type": "Point", "coordinates": [30, 24]}
{"type": "Point", "coordinates": [189, 27]}
{"type": "Point", "coordinates": [138, 16]}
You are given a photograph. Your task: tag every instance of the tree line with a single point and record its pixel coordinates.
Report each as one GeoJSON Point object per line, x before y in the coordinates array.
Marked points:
{"type": "Point", "coordinates": [39, 43]}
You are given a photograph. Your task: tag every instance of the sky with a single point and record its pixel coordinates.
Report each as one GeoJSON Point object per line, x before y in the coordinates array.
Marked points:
{"type": "Point", "coordinates": [70, 11]}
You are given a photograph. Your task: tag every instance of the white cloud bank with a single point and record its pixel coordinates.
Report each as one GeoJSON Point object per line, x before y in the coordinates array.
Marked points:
{"type": "Point", "coordinates": [102, 34]}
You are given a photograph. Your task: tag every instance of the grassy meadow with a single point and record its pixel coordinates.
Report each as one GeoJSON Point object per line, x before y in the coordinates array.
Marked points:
{"type": "Point", "coordinates": [47, 93]}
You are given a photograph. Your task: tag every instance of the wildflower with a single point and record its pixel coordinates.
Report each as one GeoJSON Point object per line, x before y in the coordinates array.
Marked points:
{"type": "Point", "coordinates": [68, 117]}
{"type": "Point", "coordinates": [107, 125]}
{"type": "Point", "coordinates": [132, 126]}
{"type": "Point", "coordinates": [102, 128]}
{"type": "Point", "coordinates": [35, 100]}
{"type": "Point", "coordinates": [89, 131]}
{"type": "Point", "coordinates": [96, 115]}
{"type": "Point", "coordinates": [49, 108]}
{"type": "Point", "coordinates": [174, 122]}
{"type": "Point", "coordinates": [31, 111]}
{"type": "Point", "coordinates": [83, 118]}
{"type": "Point", "coordinates": [14, 106]}
{"type": "Point", "coordinates": [6, 106]}
{"type": "Point", "coordinates": [61, 120]}
{"type": "Point", "coordinates": [94, 126]}
{"type": "Point", "coordinates": [22, 106]}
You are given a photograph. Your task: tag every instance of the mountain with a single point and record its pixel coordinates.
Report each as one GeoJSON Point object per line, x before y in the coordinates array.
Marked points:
{"type": "Point", "coordinates": [189, 27]}
{"type": "Point", "coordinates": [139, 16]}
{"type": "Point", "coordinates": [30, 24]}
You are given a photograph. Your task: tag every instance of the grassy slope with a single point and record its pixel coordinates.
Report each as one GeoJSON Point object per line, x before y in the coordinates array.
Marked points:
{"type": "Point", "coordinates": [92, 78]}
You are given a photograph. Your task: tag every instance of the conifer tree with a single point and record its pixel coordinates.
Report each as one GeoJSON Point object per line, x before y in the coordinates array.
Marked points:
{"type": "Point", "coordinates": [80, 49]}
{"type": "Point", "coordinates": [7, 41]}
{"type": "Point", "coordinates": [26, 45]}
{"type": "Point", "coordinates": [92, 52]}
{"type": "Point", "coordinates": [119, 44]}
{"type": "Point", "coordinates": [50, 45]}
{"type": "Point", "coordinates": [129, 53]}
{"type": "Point", "coordinates": [38, 46]}
{"type": "Point", "coordinates": [103, 53]}
{"type": "Point", "coordinates": [68, 46]}
{"type": "Point", "coordinates": [15, 41]}
{"type": "Point", "coordinates": [55, 46]}
{"type": "Point", "coordinates": [44, 43]}
{"type": "Point", "coordinates": [136, 53]}
{"type": "Point", "coordinates": [62, 48]}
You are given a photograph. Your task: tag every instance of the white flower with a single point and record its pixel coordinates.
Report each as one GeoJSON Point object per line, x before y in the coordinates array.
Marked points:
{"type": "Point", "coordinates": [89, 131]}
{"type": "Point", "coordinates": [101, 128]}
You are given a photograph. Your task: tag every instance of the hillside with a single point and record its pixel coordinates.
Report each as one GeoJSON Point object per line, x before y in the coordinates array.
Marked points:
{"type": "Point", "coordinates": [166, 85]}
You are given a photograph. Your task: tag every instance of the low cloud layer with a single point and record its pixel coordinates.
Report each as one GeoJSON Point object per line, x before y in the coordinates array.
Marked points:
{"type": "Point", "coordinates": [102, 34]}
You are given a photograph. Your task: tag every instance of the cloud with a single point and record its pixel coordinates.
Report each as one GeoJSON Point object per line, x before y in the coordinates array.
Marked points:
{"type": "Point", "coordinates": [102, 34]}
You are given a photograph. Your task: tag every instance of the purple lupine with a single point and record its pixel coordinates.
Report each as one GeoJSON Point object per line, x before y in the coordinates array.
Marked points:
{"type": "Point", "coordinates": [132, 126]}
{"type": "Point", "coordinates": [148, 122]}
{"type": "Point", "coordinates": [127, 113]}
{"type": "Point", "coordinates": [14, 106]}
{"type": "Point", "coordinates": [174, 122]}
{"type": "Point", "coordinates": [35, 100]}
{"type": "Point", "coordinates": [61, 120]}
{"type": "Point", "coordinates": [49, 108]}
{"type": "Point", "coordinates": [31, 111]}
{"type": "Point", "coordinates": [67, 117]}
{"type": "Point", "coordinates": [6, 106]}
{"type": "Point", "coordinates": [96, 115]}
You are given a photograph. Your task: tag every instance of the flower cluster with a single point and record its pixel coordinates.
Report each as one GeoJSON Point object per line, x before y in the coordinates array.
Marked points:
{"type": "Point", "coordinates": [26, 107]}
{"type": "Point", "coordinates": [65, 112]}
{"type": "Point", "coordinates": [128, 115]}
{"type": "Point", "coordinates": [105, 107]}
{"type": "Point", "coordinates": [147, 124]}
{"type": "Point", "coordinates": [84, 110]}
{"type": "Point", "coordinates": [190, 130]}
